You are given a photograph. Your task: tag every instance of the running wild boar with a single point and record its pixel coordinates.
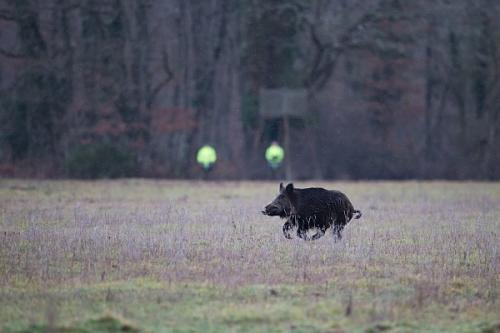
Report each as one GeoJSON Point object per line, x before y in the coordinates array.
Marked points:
{"type": "Point", "coordinates": [312, 208]}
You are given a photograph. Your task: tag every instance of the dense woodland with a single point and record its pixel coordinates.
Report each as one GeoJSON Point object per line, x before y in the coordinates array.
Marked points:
{"type": "Point", "coordinates": [110, 88]}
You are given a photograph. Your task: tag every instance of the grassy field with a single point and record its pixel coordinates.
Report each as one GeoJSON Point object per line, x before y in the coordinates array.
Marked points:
{"type": "Point", "coordinates": [174, 256]}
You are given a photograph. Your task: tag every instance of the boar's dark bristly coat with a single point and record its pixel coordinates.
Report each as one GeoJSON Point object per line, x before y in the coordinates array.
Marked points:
{"type": "Point", "coordinates": [310, 208]}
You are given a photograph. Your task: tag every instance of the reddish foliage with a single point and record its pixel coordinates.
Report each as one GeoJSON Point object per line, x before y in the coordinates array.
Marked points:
{"type": "Point", "coordinates": [7, 169]}
{"type": "Point", "coordinates": [138, 144]}
{"type": "Point", "coordinates": [173, 119]}
{"type": "Point", "coordinates": [108, 126]}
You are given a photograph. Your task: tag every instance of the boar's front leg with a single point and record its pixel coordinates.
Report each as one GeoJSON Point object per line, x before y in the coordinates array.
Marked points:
{"type": "Point", "coordinates": [302, 233]}
{"type": "Point", "coordinates": [286, 229]}
{"type": "Point", "coordinates": [319, 234]}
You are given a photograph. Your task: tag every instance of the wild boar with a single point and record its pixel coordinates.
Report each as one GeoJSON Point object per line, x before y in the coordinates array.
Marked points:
{"type": "Point", "coordinates": [310, 208]}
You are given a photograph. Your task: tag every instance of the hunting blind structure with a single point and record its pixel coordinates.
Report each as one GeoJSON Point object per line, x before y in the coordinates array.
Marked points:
{"type": "Point", "coordinates": [283, 103]}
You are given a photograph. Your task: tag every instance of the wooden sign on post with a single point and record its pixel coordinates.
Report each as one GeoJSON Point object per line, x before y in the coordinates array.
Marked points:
{"type": "Point", "coordinates": [283, 103]}
{"type": "Point", "coordinates": [278, 103]}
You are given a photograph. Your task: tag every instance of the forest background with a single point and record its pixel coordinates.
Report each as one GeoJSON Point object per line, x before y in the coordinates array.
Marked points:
{"type": "Point", "coordinates": [110, 88]}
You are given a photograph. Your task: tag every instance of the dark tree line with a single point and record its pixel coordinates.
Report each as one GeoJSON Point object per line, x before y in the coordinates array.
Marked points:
{"type": "Point", "coordinates": [396, 89]}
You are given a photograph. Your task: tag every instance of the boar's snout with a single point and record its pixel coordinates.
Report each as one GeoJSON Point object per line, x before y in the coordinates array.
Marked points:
{"type": "Point", "coordinates": [271, 210]}
{"type": "Point", "coordinates": [266, 210]}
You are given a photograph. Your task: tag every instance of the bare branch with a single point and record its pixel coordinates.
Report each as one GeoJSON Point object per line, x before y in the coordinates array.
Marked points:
{"type": "Point", "coordinates": [9, 54]}
{"type": "Point", "coordinates": [327, 54]}
{"type": "Point", "coordinates": [7, 16]}
{"type": "Point", "coordinates": [164, 82]}
{"type": "Point", "coordinates": [72, 7]}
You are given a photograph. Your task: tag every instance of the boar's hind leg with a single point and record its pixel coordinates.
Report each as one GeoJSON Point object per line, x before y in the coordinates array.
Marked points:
{"type": "Point", "coordinates": [337, 231]}
{"type": "Point", "coordinates": [286, 230]}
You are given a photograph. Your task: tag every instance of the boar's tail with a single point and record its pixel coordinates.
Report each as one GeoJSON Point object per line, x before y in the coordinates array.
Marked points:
{"type": "Point", "coordinates": [358, 214]}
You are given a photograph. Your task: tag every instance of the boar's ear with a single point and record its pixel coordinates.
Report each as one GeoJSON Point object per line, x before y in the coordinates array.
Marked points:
{"type": "Point", "coordinates": [289, 189]}
{"type": "Point", "coordinates": [281, 187]}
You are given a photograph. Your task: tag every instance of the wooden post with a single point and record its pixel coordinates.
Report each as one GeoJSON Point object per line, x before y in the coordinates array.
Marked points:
{"type": "Point", "coordinates": [288, 160]}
